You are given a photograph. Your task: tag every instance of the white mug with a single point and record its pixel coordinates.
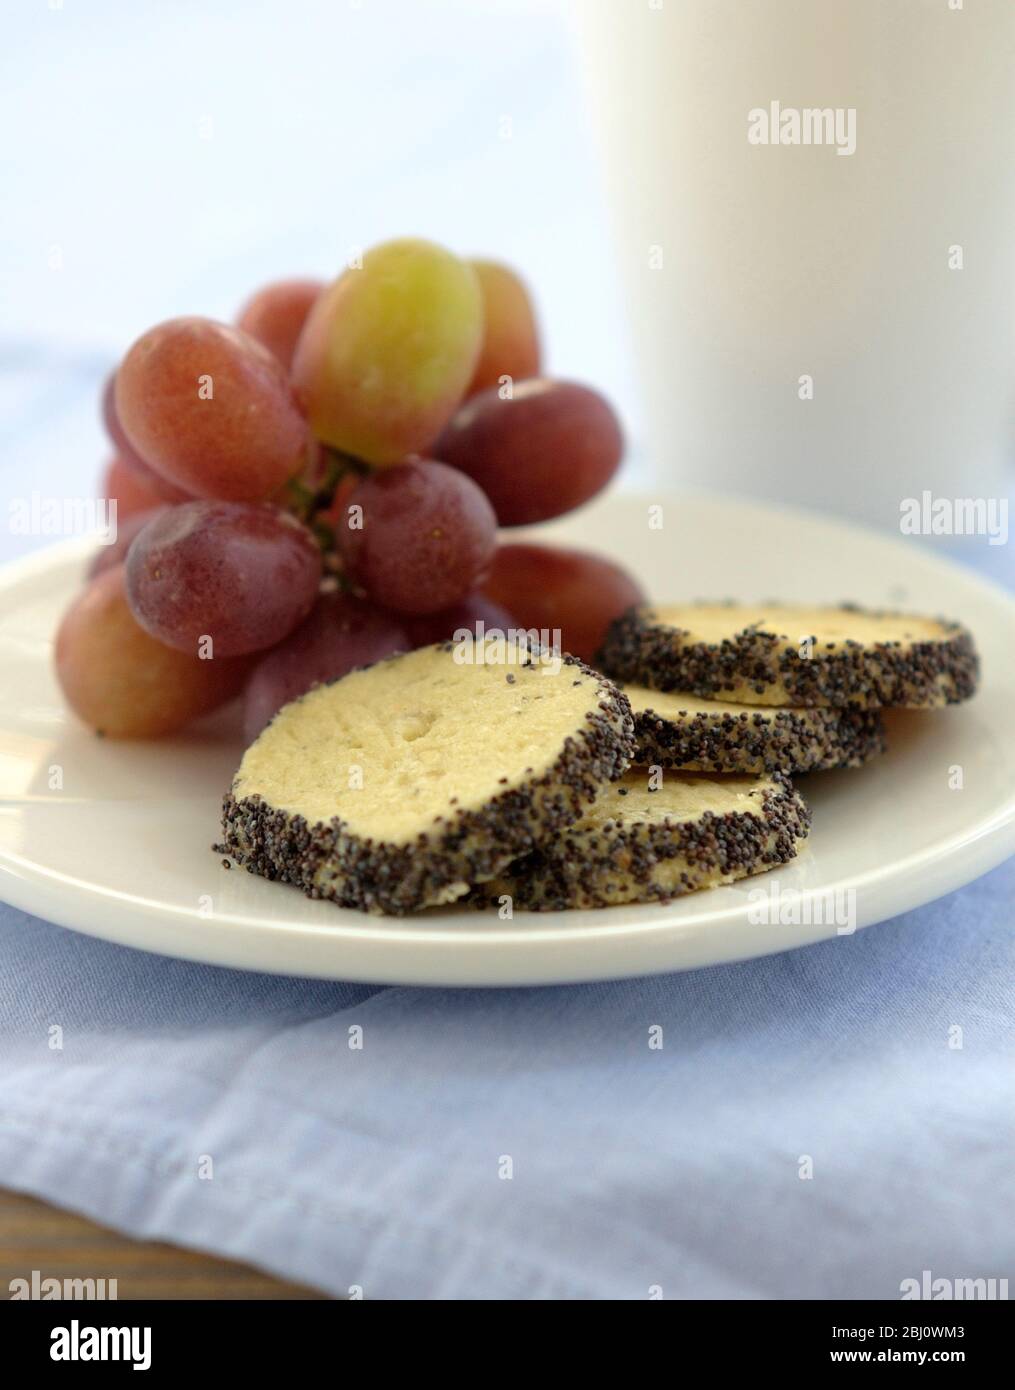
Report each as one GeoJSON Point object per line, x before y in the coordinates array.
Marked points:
{"type": "Point", "coordinates": [813, 212]}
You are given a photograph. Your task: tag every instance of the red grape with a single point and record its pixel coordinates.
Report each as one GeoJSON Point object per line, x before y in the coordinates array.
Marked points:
{"type": "Point", "coordinates": [129, 458]}
{"type": "Point", "coordinates": [275, 315]}
{"type": "Point", "coordinates": [426, 628]}
{"type": "Point", "coordinates": [111, 420]}
{"type": "Point", "coordinates": [570, 590]}
{"type": "Point", "coordinates": [126, 529]}
{"type": "Point", "coordinates": [165, 491]}
{"type": "Point", "coordinates": [242, 574]}
{"type": "Point", "coordinates": [341, 633]}
{"type": "Point", "coordinates": [122, 485]}
{"type": "Point", "coordinates": [426, 537]}
{"type": "Point", "coordinates": [545, 450]}
{"type": "Point", "coordinates": [124, 683]}
{"type": "Point", "coordinates": [210, 409]}
{"type": "Point", "coordinates": [510, 337]}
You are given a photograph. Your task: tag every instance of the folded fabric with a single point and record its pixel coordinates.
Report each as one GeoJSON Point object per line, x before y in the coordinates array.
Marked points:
{"type": "Point", "coordinates": [824, 1123]}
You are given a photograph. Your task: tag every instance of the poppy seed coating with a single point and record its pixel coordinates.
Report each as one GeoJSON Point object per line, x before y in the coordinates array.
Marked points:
{"type": "Point", "coordinates": [693, 832]}
{"type": "Point", "coordinates": [685, 731]}
{"type": "Point", "coordinates": [580, 729]}
{"type": "Point", "coordinates": [781, 655]}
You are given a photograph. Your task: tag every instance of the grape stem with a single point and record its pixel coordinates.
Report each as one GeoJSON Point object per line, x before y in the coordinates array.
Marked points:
{"type": "Point", "coordinates": [311, 504]}
{"type": "Point", "coordinates": [308, 503]}
{"type": "Point", "coordinates": [340, 463]}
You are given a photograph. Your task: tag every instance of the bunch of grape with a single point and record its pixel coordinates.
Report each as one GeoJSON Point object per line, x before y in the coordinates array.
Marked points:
{"type": "Point", "coordinates": [321, 485]}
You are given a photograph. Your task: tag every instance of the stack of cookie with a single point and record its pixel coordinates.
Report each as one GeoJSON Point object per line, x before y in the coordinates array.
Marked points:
{"type": "Point", "coordinates": [727, 703]}
{"type": "Point", "coordinates": [498, 771]}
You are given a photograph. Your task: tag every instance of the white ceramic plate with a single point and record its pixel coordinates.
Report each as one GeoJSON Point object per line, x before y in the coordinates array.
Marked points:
{"type": "Point", "coordinates": [122, 850]}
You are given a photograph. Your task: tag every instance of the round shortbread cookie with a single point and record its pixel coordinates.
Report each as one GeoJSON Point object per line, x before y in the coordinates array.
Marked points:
{"type": "Point", "coordinates": [637, 845]}
{"type": "Point", "coordinates": [775, 654]}
{"type": "Point", "coordinates": [403, 784]}
{"type": "Point", "coordinates": [685, 731]}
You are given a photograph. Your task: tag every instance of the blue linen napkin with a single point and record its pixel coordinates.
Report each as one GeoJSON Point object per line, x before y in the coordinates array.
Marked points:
{"type": "Point", "coordinates": [808, 1127]}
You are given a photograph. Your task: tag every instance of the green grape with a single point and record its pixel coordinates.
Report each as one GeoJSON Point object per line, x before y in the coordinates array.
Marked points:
{"type": "Point", "coordinates": [388, 351]}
